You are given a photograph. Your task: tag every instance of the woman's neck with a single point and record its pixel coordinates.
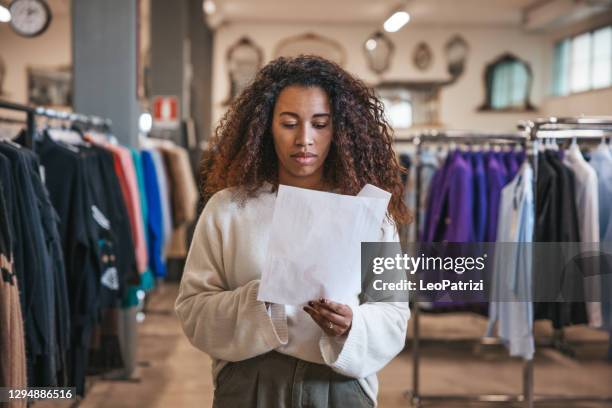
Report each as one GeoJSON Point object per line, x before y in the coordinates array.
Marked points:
{"type": "Point", "coordinates": [313, 182]}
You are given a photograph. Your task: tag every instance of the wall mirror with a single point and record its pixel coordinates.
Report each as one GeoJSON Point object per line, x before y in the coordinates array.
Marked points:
{"type": "Point", "coordinates": [409, 104]}
{"type": "Point", "coordinates": [508, 81]}
{"type": "Point", "coordinates": [243, 60]}
{"type": "Point", "coordinates": [457, 50]}
{"type": "Point", "coordinates": [379, 51]}
{"type": "Point", "coordinates": [311, 44]}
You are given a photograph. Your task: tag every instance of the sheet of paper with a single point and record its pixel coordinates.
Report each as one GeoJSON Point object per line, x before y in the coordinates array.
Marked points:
{"type": "Point", "coordinates": [315, 244]}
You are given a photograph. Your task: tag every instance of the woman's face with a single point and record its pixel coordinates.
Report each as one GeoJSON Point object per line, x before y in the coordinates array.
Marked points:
{"type": "Point", "coordinates": [302, 131]}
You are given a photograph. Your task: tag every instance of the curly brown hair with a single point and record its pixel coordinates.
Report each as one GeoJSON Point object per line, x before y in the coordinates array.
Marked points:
{"type": "Point", "coordinates": [242, 152]}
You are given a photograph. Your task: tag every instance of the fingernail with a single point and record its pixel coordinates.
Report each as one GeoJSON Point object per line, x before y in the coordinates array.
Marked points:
{"type": "Point", "coordinates": [311, 303]}
{"type": "Point", "coordinates": [322, 300]}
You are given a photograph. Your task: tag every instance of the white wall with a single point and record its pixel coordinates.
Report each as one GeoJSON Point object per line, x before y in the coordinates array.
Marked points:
{"type": "Point", "coordinates": [51, 49]}
{"type": "Point", "coordinates": [459, 102]}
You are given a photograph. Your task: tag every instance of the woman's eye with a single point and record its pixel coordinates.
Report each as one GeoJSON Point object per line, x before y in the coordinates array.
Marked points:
{"type": "Point", "coordinates": [289, 125]}
{"type": "Point", "coordinates": [319, 125]}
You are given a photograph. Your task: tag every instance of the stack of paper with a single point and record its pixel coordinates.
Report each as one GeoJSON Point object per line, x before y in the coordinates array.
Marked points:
{"type": "Point", "coordinates": [315, 244]}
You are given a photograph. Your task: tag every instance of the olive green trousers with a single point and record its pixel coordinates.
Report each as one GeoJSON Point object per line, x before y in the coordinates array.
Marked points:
{"type": "Point", "coordinates": [275, 380]}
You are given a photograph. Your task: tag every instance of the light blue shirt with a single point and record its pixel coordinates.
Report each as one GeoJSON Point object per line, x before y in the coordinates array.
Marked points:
{"type": "Point", "coordinates": [162, 179]}
{"type": "Point", "coordinates": [513, 267]}
{"type": "Point", "coordinates": [601, 161]}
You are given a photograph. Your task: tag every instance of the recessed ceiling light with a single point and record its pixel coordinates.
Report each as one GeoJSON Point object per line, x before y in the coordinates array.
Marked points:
{"type": "Point", "coordinates": [396, 21]}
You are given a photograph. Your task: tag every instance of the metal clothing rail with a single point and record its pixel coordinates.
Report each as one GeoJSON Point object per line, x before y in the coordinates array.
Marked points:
{"type": "Point", "coordinates": [463, 136]}
{"type": "Point", "coordinates": [32, 112]}
{"type": "Point", "coordinates": [528, 132]}
{"type": "Point", "coordinates": [576, 128]}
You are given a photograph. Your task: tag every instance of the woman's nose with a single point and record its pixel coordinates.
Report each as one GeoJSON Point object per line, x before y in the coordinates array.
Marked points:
{"type": "Point", "coordinates": [305, 136]}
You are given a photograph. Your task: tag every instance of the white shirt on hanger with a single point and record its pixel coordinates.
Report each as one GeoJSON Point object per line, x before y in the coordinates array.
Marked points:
{"type": "Point", "coordinates": [587, 205]}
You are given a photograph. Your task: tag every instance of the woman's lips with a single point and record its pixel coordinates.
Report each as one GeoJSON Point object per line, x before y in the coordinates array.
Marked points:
{"type": "Point", "coordinates": [304, 159]}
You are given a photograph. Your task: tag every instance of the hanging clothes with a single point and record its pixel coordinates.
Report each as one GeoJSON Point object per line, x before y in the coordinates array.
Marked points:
{"type": "Point", "coordinates": [496, 180]}
{"type": "Point", "coordinates": [184, 193]}
{"type": "Point", "coordinates": [35, 268]}
{"type": "Point", "coordinates": [12, 346]}
{"type": "Point", "coordinates": [601, 161]}
{"type": "Point", "coordinates": [480, 199]}
{"type": "Point", "coordinates": [155, 220]}
{"type": "Point", "coordinates": [586, 196]}
{"type": "Point", "coordinates": [162, 179]}
{"type": "Point", "coordinates": [513, 267]}
{"type": "Point", "coordinates": [123, 159]}
{"type": "Point", "coordinates": [556, 221]}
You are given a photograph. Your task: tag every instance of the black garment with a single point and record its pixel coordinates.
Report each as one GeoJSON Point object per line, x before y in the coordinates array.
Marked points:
{"type": "Point", "coordinates": [556, 221]}
{"type": "Point", "coordinates": [34, 271]}
{"type": "Point", "coordinates": [6, 273]}
{"type": "Point", "coordinates": [105, 353]}
{"type": "Point", "coordinates": [65, 176]}
{"type": "Point", "coordinates": [50, 222]}
{"type": "Point", "coordinates": [7, 227]}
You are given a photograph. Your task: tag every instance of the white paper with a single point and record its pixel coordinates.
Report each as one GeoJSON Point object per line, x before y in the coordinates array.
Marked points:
{"type": "Point", "coordinates": [315, 244]}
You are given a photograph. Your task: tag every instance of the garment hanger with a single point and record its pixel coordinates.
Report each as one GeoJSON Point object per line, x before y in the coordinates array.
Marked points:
{"type": "Point", "coordinates": [574, 143]}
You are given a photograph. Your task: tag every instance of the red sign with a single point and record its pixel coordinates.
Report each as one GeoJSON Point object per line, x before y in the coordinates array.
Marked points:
{"type": "Point", "coordinates": [165, 111]}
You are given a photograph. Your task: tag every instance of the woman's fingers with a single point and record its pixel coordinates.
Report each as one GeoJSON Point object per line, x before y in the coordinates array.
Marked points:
{"type": "Point", "coordinates": [330, 316]}
{"type": "Point", "coordinates": [334, 318]}
{"type": "Point", "coordinates": [337, 308]}
{"type": "Point", "coordinates": [323, 322]}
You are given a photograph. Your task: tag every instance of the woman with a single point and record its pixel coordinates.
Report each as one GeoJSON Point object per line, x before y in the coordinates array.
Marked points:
{"type": "Point", "coordinates": [307, 123]}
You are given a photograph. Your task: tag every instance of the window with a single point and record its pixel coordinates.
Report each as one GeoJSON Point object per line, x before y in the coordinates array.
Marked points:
{"type": "Point", "coordinates": [508, 82]}
{"type": "Point", "coordinates": [583, 62]}
{"type": "Point", "coordinates": [602, 58]}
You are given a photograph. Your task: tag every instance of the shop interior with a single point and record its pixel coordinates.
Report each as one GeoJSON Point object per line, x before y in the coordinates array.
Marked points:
{"type": "Point", "coordinates": [151, 79]}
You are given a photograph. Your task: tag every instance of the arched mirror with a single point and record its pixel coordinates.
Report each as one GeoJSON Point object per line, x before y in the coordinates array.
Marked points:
{"type": "Point", "coordinates": [243, 61]}
{"type": "Point", "coordinates": [456, 55]}
{"type": "Point", "coordinates": [311, 44]}
{"type": "Point", "coordinates": [508, 82]}
{"type": "Point", "coordinates": [379, 50]}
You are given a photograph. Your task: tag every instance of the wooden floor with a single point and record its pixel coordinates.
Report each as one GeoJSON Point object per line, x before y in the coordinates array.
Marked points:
{"type": "Point", "coordinates": [174, 374]}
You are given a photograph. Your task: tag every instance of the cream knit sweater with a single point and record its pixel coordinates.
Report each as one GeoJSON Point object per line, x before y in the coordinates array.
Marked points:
{"type": "Point", "coordinates": [220, 314]}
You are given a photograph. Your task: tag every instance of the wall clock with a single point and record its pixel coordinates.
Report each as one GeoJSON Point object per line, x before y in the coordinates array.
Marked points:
{"type": "Point", "coordinates": [30, 18]}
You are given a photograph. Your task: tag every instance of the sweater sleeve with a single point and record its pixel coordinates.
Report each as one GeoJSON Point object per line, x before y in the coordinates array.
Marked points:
{"type": "Point", "coordinates": [230, 325]}
{"type": "Point", "coordinates": [377, 335]}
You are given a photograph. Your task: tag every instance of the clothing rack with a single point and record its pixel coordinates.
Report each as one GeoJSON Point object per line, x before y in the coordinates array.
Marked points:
{"type": "Point", "coordinates": [531, 131]}
{"type": "Point", "coordinates": [447, 136]}
{"type": "Point", "coordinates": [33, 112]}
{"type": "Point", "coordinates": [565, 128]}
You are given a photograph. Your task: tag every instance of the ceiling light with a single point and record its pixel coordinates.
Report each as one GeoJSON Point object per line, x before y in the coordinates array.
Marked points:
{"type": "Point", "coordinates": [371, 44]}
{"type": "Point", "coordinates": [396, 21]}
{"type": "Point", "coordinates": [5, 14]}
{"type": "Point", "coordinates": [209, 7]}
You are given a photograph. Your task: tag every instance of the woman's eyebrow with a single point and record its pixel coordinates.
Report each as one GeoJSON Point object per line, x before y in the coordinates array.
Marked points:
{"type": "Point", "coordinates": [316, 115]}
{"type": "Point", "coordinates": [290, 114]}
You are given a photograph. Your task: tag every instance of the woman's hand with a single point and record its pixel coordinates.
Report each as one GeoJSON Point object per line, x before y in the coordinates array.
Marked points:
{"type": "Point", "coordinates": [334, 318]}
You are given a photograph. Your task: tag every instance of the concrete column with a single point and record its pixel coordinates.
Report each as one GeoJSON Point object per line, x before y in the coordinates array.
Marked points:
{"type": "Point", "coordinates": [105, 57]}
{"type": "Point", "coordinates": [201, 62]}
{"type": "Point", "coordinates": [169, 33]}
